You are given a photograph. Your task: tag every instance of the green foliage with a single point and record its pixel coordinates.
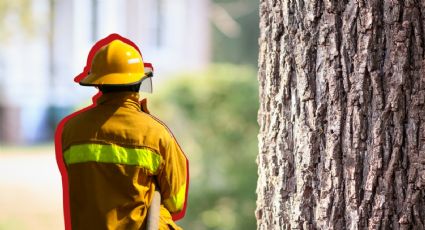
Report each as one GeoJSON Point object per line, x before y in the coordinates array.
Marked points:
{"type": "Point", "coordinates": [243, 48]}
{"type": "Point", "coordinates": [213, 115]}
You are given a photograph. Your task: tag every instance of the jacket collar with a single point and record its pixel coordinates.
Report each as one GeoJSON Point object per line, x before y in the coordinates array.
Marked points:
{"type": "Point", "coordinates": [120, 99]}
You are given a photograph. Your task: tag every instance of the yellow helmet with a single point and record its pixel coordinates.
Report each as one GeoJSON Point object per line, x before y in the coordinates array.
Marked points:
{"type": "Point", "coordinates": [116, 63]}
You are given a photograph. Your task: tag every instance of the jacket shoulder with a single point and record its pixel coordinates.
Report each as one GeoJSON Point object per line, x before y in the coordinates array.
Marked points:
{"type": "Point", "coordinates": [159, 124]}
{"type": "Point", "coordinates": [76, 118]}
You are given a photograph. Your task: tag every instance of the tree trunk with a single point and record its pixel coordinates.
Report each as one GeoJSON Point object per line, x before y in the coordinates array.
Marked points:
{"type": "Point", "coordinates": [342, 115]}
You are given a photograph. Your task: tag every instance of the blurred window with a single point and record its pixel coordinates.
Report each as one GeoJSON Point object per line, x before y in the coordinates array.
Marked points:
{"type": "Point", "coordinates": [94, 19]}
{"type": "Point", "coordinates": [159, 23]}
{"type": "Point", "coordinates": [2, 71]}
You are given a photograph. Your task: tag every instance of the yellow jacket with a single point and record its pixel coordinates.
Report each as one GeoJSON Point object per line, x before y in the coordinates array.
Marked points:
{"type": "Point", "coordinates": [115, 155]}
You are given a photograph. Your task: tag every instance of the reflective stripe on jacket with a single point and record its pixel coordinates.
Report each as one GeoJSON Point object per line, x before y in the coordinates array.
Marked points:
{"type": "Point", "coordinates": [115, 156]}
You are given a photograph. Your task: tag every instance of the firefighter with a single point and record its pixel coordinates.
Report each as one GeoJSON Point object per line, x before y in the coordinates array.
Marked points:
{"type": "Point", "coordinates": [116, 154]}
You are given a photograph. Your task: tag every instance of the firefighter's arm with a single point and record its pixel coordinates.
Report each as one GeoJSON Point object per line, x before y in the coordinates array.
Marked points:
{"type": "Point", "coordinates": [173, 179]}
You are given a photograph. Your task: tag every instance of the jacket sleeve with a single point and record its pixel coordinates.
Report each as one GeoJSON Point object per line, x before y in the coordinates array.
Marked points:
{"type": "Point", "coordinates": [173, 179]}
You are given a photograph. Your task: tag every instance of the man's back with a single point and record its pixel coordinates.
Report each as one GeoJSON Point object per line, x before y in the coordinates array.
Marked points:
{"type": "Point", "coordinates": [116, 155]}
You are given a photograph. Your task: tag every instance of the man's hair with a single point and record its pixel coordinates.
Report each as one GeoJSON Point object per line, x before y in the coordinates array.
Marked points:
{"type": "Point", "coordinates": [119, 88]}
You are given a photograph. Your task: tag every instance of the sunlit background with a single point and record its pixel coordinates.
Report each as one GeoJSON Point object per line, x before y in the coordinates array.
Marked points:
{"type": "Point", "coordinates": [205, 88]}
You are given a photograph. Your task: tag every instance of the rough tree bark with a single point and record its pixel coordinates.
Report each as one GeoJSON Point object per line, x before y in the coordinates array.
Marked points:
{"type": "Point", "coordinates": [342, 115]}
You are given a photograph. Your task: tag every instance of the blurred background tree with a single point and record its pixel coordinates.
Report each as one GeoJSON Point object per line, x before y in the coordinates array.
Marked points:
{"type": "Point", "coordinates": [213, 113]}
{"type": "Point", "coordinates": [235, 31]}
{"type": "Point", "coordinates": [15, 14]}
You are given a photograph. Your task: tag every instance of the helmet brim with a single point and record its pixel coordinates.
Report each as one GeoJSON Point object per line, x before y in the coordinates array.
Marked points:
{"type": "Point", "coordinates": [113, 79]}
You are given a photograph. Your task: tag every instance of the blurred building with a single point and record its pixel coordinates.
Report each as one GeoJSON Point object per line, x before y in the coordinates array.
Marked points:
{"type": "Point", "coordinates": [37, 71]}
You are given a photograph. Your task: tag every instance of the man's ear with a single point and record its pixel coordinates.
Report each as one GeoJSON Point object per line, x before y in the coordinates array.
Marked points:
{"type": "Point", "coordinates": [144, 105]}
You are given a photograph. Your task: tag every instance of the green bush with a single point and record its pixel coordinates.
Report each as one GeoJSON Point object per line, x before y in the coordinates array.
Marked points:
{"type": "Point", "coordinates": [213, 115]}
